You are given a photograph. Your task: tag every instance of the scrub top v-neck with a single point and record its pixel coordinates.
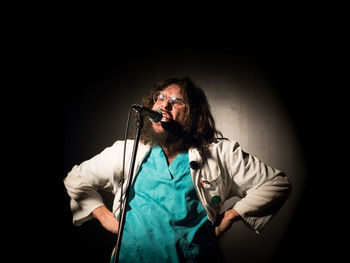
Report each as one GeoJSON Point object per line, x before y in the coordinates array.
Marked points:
{"type": "Point", "coordinates": [164, 212]}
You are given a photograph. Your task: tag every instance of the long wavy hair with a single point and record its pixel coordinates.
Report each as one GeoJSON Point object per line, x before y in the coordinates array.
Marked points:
{"type": "Point", "coordinates": [199, 127]}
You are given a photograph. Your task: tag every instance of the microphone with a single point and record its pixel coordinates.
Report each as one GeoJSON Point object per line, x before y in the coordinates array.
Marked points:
{"type": "Point", "coordinates": [153, 115]}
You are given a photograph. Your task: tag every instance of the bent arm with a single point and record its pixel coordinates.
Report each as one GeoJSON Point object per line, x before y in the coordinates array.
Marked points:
{"type": "Point", "coordinates": [262, 202]}
{"type": "Point", "coordinates": [263, 189]}
{"type": "Point", "coordinates": [83, 182]}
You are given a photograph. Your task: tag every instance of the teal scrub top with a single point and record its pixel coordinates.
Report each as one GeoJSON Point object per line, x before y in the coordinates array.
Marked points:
{"type": "Point", "coordinates": [164, 213]}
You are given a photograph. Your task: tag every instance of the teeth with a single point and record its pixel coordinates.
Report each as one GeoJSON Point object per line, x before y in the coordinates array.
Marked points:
{"type": "Point", "coordinates": [166, 117]}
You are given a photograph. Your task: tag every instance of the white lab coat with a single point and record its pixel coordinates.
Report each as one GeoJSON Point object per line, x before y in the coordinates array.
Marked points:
{"type": "Point", "coordinates": [223, 171]}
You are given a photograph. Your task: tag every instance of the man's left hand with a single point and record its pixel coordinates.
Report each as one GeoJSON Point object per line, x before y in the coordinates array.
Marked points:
{"type": "Point", "coordinates": [225, 221]}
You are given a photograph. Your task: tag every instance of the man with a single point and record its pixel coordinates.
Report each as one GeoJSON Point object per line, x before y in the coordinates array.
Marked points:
{"type": "Point", "coordinates": [183, 175]}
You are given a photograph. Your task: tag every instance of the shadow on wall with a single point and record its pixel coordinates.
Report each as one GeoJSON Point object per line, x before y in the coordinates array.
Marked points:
{"type": "Point", "coordinates": [252, 114]}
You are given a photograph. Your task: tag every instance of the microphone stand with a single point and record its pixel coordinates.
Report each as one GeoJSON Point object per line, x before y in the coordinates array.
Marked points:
{"type": "Point", "coordinates": [128, 185]}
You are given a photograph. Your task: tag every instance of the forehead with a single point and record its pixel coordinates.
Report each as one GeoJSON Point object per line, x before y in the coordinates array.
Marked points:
{"type": "Point", "coordinates": [173, 90]}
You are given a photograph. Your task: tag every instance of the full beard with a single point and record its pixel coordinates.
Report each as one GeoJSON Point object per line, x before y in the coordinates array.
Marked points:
{"type": "Point", "coordinates": [172, 135]}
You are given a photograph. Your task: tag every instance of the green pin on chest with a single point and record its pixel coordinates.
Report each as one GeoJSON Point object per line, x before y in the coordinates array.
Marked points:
{"type": "Point", "coordinates": [216, 199]}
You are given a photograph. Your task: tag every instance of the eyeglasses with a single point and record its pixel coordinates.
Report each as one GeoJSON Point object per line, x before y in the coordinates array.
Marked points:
{"type": "Point", "coordinates": [159, 97]}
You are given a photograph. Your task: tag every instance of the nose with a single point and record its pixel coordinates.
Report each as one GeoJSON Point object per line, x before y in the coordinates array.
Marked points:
{"type": "Point", "coordinates": [166, 104]}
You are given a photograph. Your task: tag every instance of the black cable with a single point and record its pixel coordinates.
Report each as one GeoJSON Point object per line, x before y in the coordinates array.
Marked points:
{"type": "Point", "coordinates": [122, 179]}
{"type": "Point", "coordinates": [122, 208]}
{"type": "Point", "coordinates": [124, 152]}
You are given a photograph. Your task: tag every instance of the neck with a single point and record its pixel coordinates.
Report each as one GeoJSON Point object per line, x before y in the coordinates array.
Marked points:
{"type": "Point", "coordinates": [171, 151]}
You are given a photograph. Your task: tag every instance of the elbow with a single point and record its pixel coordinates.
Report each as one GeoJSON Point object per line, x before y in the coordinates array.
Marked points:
{"type": "Point", "coordinates": [285, 184]}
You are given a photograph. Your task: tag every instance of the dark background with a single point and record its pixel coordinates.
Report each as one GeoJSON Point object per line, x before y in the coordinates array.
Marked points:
{"type": "Point", "coordinates": [89, 65]}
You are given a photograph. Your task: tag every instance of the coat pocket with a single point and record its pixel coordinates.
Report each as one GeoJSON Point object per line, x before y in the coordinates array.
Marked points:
{"type": "Point", "coordinates": [213, 191]}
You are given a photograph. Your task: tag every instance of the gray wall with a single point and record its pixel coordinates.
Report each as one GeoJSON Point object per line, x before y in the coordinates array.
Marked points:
{"type": "Point", "coordinates": [247, 103]}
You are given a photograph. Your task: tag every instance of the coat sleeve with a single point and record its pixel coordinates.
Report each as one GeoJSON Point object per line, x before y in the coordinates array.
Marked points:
{"type": "Point", "coordinates": [83, 182]}
{"type": "Point", "coordinates": [263, 189]}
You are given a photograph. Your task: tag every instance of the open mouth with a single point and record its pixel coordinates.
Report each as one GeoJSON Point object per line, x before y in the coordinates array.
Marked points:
{"type": "Point", "coordinates": [166, 117]}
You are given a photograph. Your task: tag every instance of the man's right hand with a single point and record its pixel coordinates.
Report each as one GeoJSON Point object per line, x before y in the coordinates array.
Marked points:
{"type": "Point", "coordinates": [106, 219]}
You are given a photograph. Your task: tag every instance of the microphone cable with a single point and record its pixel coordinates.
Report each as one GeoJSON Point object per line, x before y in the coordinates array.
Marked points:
{"type": "Point", "coordinates": [121, 184]}
{"type": "Point", "coordinates": [123, 165]}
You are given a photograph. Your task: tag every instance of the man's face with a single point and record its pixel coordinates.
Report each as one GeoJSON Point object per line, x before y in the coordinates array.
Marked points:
{"type": "Point", "coordinates": [170, 102]}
